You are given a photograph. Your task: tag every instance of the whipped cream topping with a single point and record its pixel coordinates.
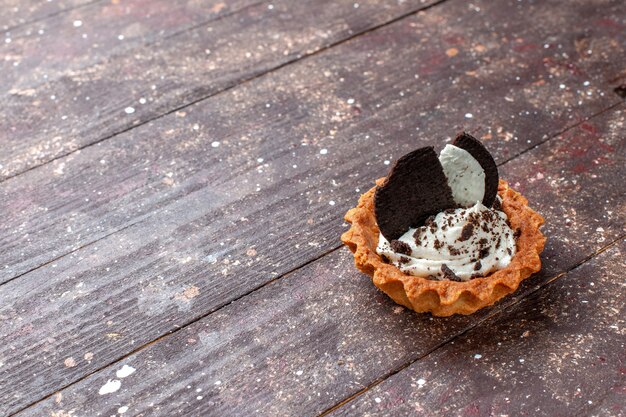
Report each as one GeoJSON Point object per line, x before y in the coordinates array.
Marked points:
{"type": "Point", "coordinates": [457, 244]}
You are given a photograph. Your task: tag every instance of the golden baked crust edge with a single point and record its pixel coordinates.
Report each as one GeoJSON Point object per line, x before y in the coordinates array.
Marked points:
{"type": "Point", "coordinates": [445, 298]}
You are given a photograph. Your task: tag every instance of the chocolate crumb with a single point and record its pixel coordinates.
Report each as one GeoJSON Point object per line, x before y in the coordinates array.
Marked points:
{"type": "Point", "coordinates": [385, 259]}
{"type": "Point", "coordinates": [477, 266]}
{"type": "Point", "coordinates": [518, 233]}
{"type": "Point", "coordinates": [430, 221]}
{"type": "Point", "coordinates": [433, 278]}
{"type": "Point", "coordinates": [483, 253]}
{"type": "Point", "coordinates": [483, 241]}
{"type": "Point", "coordinates": [418, 239]}
{"type": "Point", "coordinates": [508, 250]}
{"type": "Point", "coordinates": [438, 244]}
{"type": "Point", "coordinates": [449, 274]}
{"type": "Point", "coordinates": [404, 260]}
{"type": "Point", "coordinates": [467, 232]}
{"type": "Point", "coordinates": [400, 247]}
{"type": "Point", "coordinates": [476, 276]}
{"type": "Point", "coordinates": [453, 251]}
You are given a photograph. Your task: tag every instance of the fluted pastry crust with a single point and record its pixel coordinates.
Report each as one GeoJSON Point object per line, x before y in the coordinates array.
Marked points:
{"type": "Point", "coordinates": [444, 298]}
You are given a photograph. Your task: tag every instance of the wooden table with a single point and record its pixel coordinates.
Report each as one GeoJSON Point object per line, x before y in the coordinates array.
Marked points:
{"type": "Point", "coordinates": [173, 177]}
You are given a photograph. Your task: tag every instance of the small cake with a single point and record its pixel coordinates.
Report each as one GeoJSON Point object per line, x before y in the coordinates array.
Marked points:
{"type": "Point", "coordinates": [443, 234]}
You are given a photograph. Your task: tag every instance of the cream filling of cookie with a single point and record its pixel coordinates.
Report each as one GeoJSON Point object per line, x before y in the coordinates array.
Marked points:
{"type": "Point", "coordinates": [457, 244]}
{"type": "Point", "coordinates": [466, 177]}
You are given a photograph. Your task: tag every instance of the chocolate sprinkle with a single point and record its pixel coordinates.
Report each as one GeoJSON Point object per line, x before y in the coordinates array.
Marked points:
{"type": "Point", "coordinates": [400, 247]}
{"type": "Point", "coordinates": [477, 266]}
{"type": "Point", "coordinates": [449, 274]}
{"type": "Point", "coordinates": [453, 251]}
{"type": "Point", "coordinates": [467, 232]}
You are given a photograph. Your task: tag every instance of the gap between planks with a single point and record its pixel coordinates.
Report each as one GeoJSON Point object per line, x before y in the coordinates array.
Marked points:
{"type": "Point", "coordinates": [181, 327]}
{"type": "Point", "coordinates": [48, 16]}
{"type": "Point", "coordinates": [143, 218]}
{"type": "Point", "coordinates": [234, 84]}
{"type": "Point", "coordinates": [310, 261]}
{"type": "Point", "coordinates": [491, 315]}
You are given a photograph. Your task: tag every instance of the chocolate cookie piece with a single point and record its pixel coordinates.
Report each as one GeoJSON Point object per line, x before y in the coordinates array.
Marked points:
{"type": "Point", "coordinates": [415, 188]}
{"type": "Point", "coordinates": [481, 154]}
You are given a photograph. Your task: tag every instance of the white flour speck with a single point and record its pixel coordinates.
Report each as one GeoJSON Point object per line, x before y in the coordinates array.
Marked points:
{"type": "Point", "coordinates": [323, 151]}
{"type": "Point", "coordinates": [129, 110]}
{"type": "Point", "coordinates": [378, 400]}
{"type": "Point", "coordinates": [350, 101]}
{"type": "Point", "coordinates": [125, 371]}
{"type": "Point", "coordinates": [478, 356]}
{"type": "Point", "coordinates": [331, 202]}
{"type": "Point", "coordinates": [215, 144]}
{"type": "Point", "coordinates": [77, 23]}
{"type": "Point", "coordinates": [122, 409]}
{"type": "Point", "coordinates": [421, 381]}
{"type": "Point", "coordinates": [110, 387]}
{"type": "Point", "coordinates": [298, 373]}
{"type": "Point", "coordinates": [468, 115]}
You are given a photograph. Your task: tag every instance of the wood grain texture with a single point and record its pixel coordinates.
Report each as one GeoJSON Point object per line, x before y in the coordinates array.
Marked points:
{"type": "Point", "coordinates": [92, 102]}
{"type": "Point", "coordinates": [70, 44]}
{"type": "Point", "coordinates": [82, 198]}
{"type": "Point", "coordinates": [164, 185]}
{"type": "Point", "coordinates": [16, 13]}
{"type": "Point", "coordinates": [305, 342]}
{"type": "Point", "coordinates": [560, 352]}
{"type": "Point", "coordinates": [168, 246]}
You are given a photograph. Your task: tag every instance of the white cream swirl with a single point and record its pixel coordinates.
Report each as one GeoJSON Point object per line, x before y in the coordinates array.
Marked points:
{"type": "Point", "coordinates": [457, 244]}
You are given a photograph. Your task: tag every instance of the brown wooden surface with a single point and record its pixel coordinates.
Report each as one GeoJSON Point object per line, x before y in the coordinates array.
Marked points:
{"type": "Point", "coordinates": [559, 352]}
{"type": "Point", "coordinates": [326, 327]}
{"type": "Point", "coordinates": [91, 102]}
{"type": "Point", "coordinates": [112, 246]}
{"type": "Point", "coordinates": [69, 45]}
{"type": "Point", "coordinates": [17, 13]}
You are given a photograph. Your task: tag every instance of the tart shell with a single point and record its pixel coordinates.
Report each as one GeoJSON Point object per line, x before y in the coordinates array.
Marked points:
{"type": "Point", "coordinates": [445, 298]}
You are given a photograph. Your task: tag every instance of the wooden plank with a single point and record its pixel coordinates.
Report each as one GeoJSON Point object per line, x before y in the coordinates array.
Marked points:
{"type": "Point", "coordinates": [308, 105]}
{"type": "Point", "coordinates": [559, 352]}
{"type": "Point", "coordinates": [323, 330]}
{"type": "Point", "coordinates": [94, 102]}
{"type": "Point", "coordinates": [176, 249]}
{"type": "Point", "coordinates": [306, 342]}
{"type": "Point", "coordinates": [71, 43]}
{"type": "Point", "coordinates": [17, 13]}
